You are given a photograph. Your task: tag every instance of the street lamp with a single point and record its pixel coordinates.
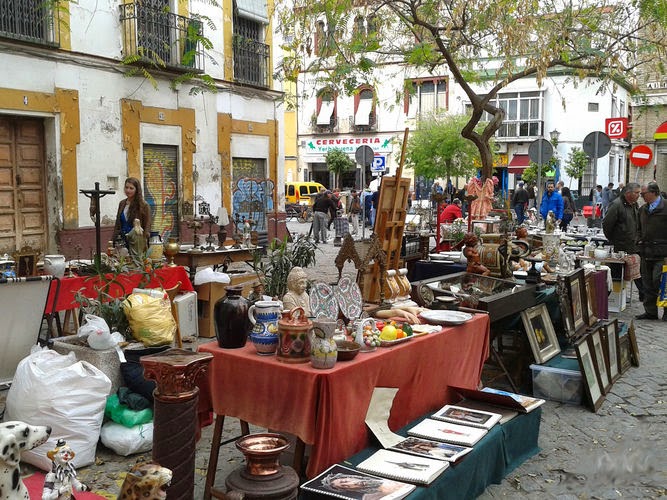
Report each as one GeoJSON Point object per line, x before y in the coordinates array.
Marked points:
{"type": "Point", "coordinates": [554, 135]}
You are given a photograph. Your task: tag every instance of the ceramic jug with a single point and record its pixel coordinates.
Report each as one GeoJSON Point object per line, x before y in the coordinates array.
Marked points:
{"type": "Point", "coordinates": [155, 247]}
{"type": "Point", "coordinates": [323, 349]}
{"type": "Point", "coordinates": [54, 265]}
{"type": "Point", "coordinates": [294, 336]}
{"type": "Point", "coordinates": [264, 315]}
{"type": "Point", "coordinates": [359, 336]}
{"type": "Point", "coordinates": [232, 324]}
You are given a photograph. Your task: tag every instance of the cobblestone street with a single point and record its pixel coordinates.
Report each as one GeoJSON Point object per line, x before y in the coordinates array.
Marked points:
{"type": "Point", "coordinates": [618, 452]}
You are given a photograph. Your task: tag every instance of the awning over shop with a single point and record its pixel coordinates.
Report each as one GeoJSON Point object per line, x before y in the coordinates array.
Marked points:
{"type": "Point", "coordinates": [661, 132]}
{"type": "Point", "coordinates": [518, 164]}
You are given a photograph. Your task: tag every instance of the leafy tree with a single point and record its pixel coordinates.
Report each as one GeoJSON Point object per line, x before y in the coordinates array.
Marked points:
{"type": "Point", "coordinates": [494, 42]}
{"type": "Point", "coordinates": [437, 149]}
{"type": "Point", "coordinates": [576, 163]}
{"type": "Point", "coordinates": [338, 162]}
{"type": "Point", "coordinates": [530, 173]}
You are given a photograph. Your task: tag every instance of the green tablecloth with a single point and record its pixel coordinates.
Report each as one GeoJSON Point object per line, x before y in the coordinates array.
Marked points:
{"type": "Point", "coordinates": [503, 449]}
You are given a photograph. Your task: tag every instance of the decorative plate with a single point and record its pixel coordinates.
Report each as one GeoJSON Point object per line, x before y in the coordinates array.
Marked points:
{"type": "Point", "coordinates": [444, 317]}
{"type": "Point", "coordinates": [323, 302]}
{"type": "Point", "coordinates": [348, 295]}
{"type": "Point", "coordinates": [390, 343]}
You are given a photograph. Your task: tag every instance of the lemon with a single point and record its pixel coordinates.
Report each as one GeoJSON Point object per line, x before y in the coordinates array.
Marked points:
{"type": "Point", "coordinates": [388, 333]}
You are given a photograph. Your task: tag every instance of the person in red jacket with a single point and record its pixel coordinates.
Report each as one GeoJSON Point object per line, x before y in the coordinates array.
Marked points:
{"type": "Point", "coordinates": [451, 212]}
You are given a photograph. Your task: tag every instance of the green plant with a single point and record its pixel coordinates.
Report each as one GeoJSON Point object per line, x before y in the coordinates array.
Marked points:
{"type": "Point", "coordinates": [106, 278]}
{"type": "Point", "coordinates": [576, 163]}
{"type": "Point", "coordinates": [280, 259]}
{"type": "Point", "coordinates": [338, 162]}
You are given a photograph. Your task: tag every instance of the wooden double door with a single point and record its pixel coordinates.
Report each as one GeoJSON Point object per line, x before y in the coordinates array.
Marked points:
{"type": "Point", "coordinates": [22, 184]}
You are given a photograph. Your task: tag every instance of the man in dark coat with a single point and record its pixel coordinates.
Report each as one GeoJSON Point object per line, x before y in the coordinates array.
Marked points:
{"type": "Point", "coordinates": [620, 226]}
{"type": "Point", "coordinates": [652, 247]}
{"type": "Point", "coordinates": [520, 202]}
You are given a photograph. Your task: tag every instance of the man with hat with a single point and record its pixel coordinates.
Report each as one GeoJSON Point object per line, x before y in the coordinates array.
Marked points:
{"type": "Point", "coordinates": [520, 202]}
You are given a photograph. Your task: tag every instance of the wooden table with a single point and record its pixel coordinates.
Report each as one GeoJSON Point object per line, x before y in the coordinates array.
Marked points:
{"type": "Point", "coordinates": [193, 260]}
{"type": "Point", "coordinates": [327, 408]}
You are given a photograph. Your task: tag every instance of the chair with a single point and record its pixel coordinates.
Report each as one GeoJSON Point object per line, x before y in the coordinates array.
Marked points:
{"type": "Point", "coordinates": [172, 292]}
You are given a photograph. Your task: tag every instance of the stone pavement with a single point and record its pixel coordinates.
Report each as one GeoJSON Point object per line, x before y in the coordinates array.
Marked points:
{"type": "Point", "coordinates": [620, 451]}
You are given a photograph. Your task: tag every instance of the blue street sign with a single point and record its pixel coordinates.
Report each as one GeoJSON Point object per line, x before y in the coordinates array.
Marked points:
{"type": "Point", "coordinates": [379, 163]}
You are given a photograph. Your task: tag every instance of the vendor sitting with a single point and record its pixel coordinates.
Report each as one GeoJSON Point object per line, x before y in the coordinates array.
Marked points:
{"type": "Point", "coordinates": [451, 212]}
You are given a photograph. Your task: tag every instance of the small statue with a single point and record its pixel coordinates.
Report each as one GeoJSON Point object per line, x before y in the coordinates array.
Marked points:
{"type": "Point", "coordinates": [61, 482]}
{"type": "Point", "coordinates": [257, 292]}
{"type": "Point", "coordinates": [550, 223]}
{"type": "Point", "coordinates": [296, 296]}
{"type": "Point", "coordinates": [472, 255]}
{"type": "Point", "coordinates": [145, 481]}
{"type": "Point", "coordinates": [136, 239]}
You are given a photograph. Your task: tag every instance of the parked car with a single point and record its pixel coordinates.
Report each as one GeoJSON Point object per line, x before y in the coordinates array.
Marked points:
{"type": "Point", "coordinates": [301, 192]}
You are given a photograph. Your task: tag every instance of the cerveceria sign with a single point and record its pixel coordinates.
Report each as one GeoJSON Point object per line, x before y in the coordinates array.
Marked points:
{"type": "Point", "coordinates": [348, 144]}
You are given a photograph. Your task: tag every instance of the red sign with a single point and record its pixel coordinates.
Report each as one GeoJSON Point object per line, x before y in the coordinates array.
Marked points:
{"type": "Point", "coordinates": [616, 128]}
{"type": "Point", "coordinates": [641, 155]}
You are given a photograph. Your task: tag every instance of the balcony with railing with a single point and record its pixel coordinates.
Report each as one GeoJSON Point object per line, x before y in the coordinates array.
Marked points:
{"type": "Point", "coordinates": [251, 61]}
{"type": "Point", "coordinates": [160, 38]}
{"type": "Point", "coordinates": [31, 21]}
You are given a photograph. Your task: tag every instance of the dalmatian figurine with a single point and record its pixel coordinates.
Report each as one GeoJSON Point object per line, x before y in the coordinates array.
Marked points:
{"type": "Point", "coordinates": [15, 437]}
{"type": "Point", "coordinates": [61, 482]}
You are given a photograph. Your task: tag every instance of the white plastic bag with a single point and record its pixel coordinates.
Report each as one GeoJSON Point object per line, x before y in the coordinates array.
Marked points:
{"type": "Point", "coordinates": [96, 331]}
{"type": "Point", "coordinates": [69, 395]}
{"type": "Point", "coordinates": [127, 440]}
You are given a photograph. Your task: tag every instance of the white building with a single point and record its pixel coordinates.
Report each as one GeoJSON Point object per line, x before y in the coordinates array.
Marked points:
{"type": "Point", "coordinates": [70, 117]}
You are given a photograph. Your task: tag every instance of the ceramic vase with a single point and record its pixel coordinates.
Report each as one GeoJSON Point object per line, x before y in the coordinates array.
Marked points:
{"type": "Point", "coordinates": [264, 314]}
{"type": "Point", "coordinates": [323, 349]}
{"type": "Point", "coordinates": [294, 336]}
{"type": "Point", "coordinates": [54, 265]}
{"type": "Point", "coordinates": [155, 247]}
{"type": "Point", "coordinates": [232, 324]}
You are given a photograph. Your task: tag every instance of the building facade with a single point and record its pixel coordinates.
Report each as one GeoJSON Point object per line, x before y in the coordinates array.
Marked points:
{"type": "Point", "coordinates": [72, 114]}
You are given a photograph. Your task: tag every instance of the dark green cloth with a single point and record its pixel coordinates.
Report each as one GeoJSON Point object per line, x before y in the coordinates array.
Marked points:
{"type": "Point", "coordinates": [497, 454]}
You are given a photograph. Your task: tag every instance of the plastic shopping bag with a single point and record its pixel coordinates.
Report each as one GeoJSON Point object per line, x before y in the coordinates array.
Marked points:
{"type": "Point", "coordinates": [69, 395]}
{"type": "Point", "coordinates": [150, 319]}
{"type": "Point", "coordinates": [662, 291]}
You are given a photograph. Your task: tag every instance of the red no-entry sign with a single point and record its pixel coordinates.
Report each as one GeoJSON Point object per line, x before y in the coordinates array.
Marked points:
{"type": "Point", "coordinates": [641, 155]}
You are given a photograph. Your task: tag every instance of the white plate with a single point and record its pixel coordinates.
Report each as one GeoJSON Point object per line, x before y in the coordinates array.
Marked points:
{"type": "Point", "coordinates": [445, 317]}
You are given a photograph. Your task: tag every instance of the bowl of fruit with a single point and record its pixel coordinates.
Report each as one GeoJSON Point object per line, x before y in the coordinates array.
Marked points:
{"type": "Point", "coordinates": [347, 350]}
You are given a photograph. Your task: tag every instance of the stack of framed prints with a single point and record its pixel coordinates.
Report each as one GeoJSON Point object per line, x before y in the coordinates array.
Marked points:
{"type": "Point", "coordinates": [603, 356]}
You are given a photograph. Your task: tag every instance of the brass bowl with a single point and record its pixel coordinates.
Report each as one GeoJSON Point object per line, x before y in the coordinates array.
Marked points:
{"type": "Point", "coordinates": [347, 350]}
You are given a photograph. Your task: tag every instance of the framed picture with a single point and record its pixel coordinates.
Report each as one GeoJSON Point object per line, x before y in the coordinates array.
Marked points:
{"type": "Point", "coordinates": [565, 309]}
{"type": "Point", "coordinates": [624, 353]}
{"type": "Point", "coordinates": [591, 299]}
{"type": "Point", "coordinates": [634, 348]}
{"type": "Point", "coordinates": [576, 288]}
{"type": "Point", "coordinates": [541, 334]}
{"type": "Point", "coordinates": [605, 379]}
{"type": "Point", "coordinates": [26, 261]}
{"type": "Point", "coordinates": [588, 367]}
{"type": "Point", "coordinates": [612, 354]}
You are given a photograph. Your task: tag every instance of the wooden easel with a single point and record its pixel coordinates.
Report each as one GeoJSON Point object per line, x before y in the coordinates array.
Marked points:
{"type": "Point", "coordinates": [389, 225]}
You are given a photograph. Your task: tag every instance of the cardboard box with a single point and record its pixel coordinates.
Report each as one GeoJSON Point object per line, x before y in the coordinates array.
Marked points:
{"type": "Point", "coordinates": [557, 384]}
{"type": "Point", "coordinates": [186, 309]}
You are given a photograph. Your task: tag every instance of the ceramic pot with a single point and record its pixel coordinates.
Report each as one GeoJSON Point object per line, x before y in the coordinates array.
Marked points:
{"type": "Point", "coordinates": [266, 345]}
{"type": "Point", "coordinates": [232, 324]}
{"type": "Point", "coordinates": [263, 315]}
{"type": "Point", "coordinates": [294, 336]}
{"type": "Point", "coordinates": [155, 247]}
{"type": "Point", "coordinates": [323, 348]}
{"type": "Point", "coordinates": [54, 265]}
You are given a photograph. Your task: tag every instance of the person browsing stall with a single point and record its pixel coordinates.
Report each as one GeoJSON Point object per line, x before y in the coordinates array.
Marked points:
{"type": "Point", "coordinates": [132, 207]}
{"type": "Point", "coordinates": [520, 202]}
{"type": "Point", "coordinates": [552, 200]}
{"type": "Point", "coordinates": [620, 227]}
{"type": "Point", "coordinates": [451, 212]}
{"type": "Point", "coordinates": [322, 207]}
{"type": "Point", "coordinates": [652, 247]}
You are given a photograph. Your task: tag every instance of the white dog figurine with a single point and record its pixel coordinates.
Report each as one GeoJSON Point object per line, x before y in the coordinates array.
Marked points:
{"type": "Point", "coordinates": [15, 437]}
{"type": "Point", "coordinates": [61, 482]}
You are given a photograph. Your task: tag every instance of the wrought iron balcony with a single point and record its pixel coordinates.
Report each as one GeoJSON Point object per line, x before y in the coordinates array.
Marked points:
{"type": "Point", "coordinates": [29, 21]}
{"type": "Point", "coordinates": [161, 38]}
{"type": "Point", "coordinates": [251, 61]}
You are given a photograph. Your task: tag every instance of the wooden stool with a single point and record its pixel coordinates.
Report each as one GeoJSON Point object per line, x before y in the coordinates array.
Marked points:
{"type": "Point", "coordinates": [209, 490]}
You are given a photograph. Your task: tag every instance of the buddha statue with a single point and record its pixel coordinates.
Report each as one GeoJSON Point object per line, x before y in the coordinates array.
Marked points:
{"type": "Point", "coordinates": [296, 295]}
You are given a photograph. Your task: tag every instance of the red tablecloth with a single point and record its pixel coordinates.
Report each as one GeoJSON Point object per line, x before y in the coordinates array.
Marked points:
{"type": "Point", "coordinates": [326, 408]}
{"type": "Point", "coordinates": [165, 277]}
